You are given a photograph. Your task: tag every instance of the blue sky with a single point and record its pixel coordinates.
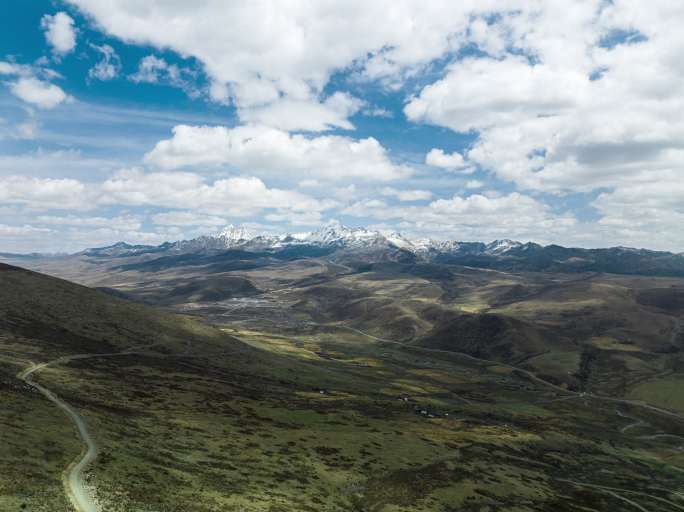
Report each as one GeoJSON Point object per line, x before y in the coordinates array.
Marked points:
{"type": "Point", "coordinates": [154, 121]}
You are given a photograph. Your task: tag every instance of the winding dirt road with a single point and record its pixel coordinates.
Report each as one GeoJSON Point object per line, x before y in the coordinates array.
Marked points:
{"type": "Point", "coordinates": [74, 482]}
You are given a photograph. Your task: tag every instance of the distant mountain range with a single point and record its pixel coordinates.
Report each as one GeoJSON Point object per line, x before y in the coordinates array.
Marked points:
{"type": "Point", "coordinates": [361, 245]}
{"type": "Point", "coordinates": [333, 236]}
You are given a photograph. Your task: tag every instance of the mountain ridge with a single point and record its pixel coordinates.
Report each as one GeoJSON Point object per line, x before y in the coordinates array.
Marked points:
{"type": "Point", "coordinates": [361, 246]}
{"type": "Point", "coordinates": [338, 235]}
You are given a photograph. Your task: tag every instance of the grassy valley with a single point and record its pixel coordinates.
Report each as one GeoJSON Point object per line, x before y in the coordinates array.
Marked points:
{"type": "Point", "coordinates": [310, 385]}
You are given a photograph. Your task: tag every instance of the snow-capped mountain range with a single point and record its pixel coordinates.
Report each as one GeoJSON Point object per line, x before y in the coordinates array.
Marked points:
{"type": "Point", "coordinates": [333, 235]}
{"type": "Point", "coordinates": [359, 244]}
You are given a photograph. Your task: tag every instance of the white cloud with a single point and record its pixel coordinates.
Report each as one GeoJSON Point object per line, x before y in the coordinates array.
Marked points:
{"type": "Point", "coordinates": [309, 183]}
{"type": "Point", "coordinates": [121, 223]}
{"type": "Point", "coordinates": [22, 231]}
{"type": "Point", "coordinates": [154, 70]}
{"type": "Point", "coordinates": [109, 67]}
{"type": "Point", "coordinates": [288, 46]}
{"type": "Point", "coordinates": [479, 93]}
{"type": "Point", "coordinates": [187, 218]}
{"type": "Point", "coordinates": [28, 237]}
{"type": "Point", "coordinates": [590, 99]}
{"type": "Point", "coordinates": [346, 193]}
{"type": "Point", "coordinates": [41, 163]}
{"type": "Point", "coordinates": [407, 195]}
{"type": "Point", "coordinates": [9, 68]}
{"type": "Point", "coordinates": [308, 115]}
{"type": "Point", "coordinates": [38, 92]}
{"type": "Point", "coordinates": [371, 111]}
{"type": "Point", "coordinates": [44, 193]}
{"type": "Point", "coordinates": [257, 53]}
{"type": "Point", "coordinates": [27, 129]}
{"type": "Point", "coordinates": [474, 184]}
{"type": "Point", "coordinates": [258, 148]}
{"type": "Point", "coordinates": [24, 130]}
{"type": "Point", "coordinates": [151, 69]}
{"type": "Point", "coordinates": [476, 217]}
{"type": "Point", "coordinates": [490, 38]}
{"type": "Point", "coordinates": [649, 213]}
{"type": "Point", "coordinates": [296, 218]}
{"type": "Point", "coordinates": [437, 158]}
{"type": "Point", "coordinates": [32, 84]}
{"type": "Point", "coordinates": [559, 98]}
{"type": "Point", "coordinates": [202, 202]}
{"type": "Point", "coordinates": [233, 197]}
{"type": "Point", "coordinates": [59, 32]}
{"type": "Point", "coordinates": [584, 109]}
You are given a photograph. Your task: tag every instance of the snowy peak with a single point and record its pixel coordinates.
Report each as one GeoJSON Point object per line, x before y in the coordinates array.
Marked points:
{"type": "Point", "coordinates": [429, 245]}
{"type": "Point", "coordinates": [364, 244]}
{"type": "Point", "coordinates": [235, 235]}
{"type": "Point", "coordinates": [399, 241]}
{"type": "Point", "coordinates": [332, 235]}
{"type": "Point", "coordinates": [228, 238]}
{"type": "Point", "coordinates": [498, 247]}
{"type": "Point", "coordinates": [337, 235]}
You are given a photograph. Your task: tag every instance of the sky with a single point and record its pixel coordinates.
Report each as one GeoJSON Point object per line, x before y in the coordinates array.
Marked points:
{"type": "Point", "coordinates": [546, 121]}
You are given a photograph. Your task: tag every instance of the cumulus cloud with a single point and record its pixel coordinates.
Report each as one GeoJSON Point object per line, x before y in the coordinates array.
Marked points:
{"type": "Point", "coordinates": [38, 92]}
{"type": "Point", "coordinates": [307, 115]}
{"type": "Point", "coordinates": [266, 52]}
{"type": "Point", "coordinates": [407, 195]}
{"type": "Point", "coordinates": [580, 97]}
{"type": "Point", "coordinates": [151, 69]}
{"type": "Point", "coordinates": [649, 213]}
{"type": "Point", "coordinates": [9, 68]}
{"type": "Point", "coordinates": [296, 218]}
{"type": "Point", "coordinates": [120, 223]}
{"type": "Point", "coordinates": [30, 237]}
{"type": "Point", "coordinates": [32, 85]}
{"type": "Point", "coordinates": [108, 67]}
{"type": "Point", "coordinates": [155, 70]}
{"type": "Point", "coordinates": [570, 104]}
{"type": "Point", "coordinates": [48, 164]}
{"type": "Point", "coordinates": [6, 230]}
{"type": "Point", "coordinates": [438, 158]}
{"type": "Point", "coordinates": [44, 193]}
{"type": "Point", "coordinates": [478, 93]}
{"type": "Point", "coordinates": [234, 197]}
{"type": "Point", "coordinates": [474, 184]}
{"type": "Point", "coordinates": [187, 218]}
{"type": "Point", "coordinates": [59, 32]}
{"type": "Point", "coordinates": [26, 129]}
{"type": "Point", "coordinates": [193, 200]}
{"type": "Point", "coordinates": [474, 217]}
{"type": "Point", "coordinates": [259, 148]}
{"type": "Point", "coordinates": [287, 46]}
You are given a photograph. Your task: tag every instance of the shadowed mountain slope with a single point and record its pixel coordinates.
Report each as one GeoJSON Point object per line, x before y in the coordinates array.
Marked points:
{"type": "Point", "coordinates": [68, 317]}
